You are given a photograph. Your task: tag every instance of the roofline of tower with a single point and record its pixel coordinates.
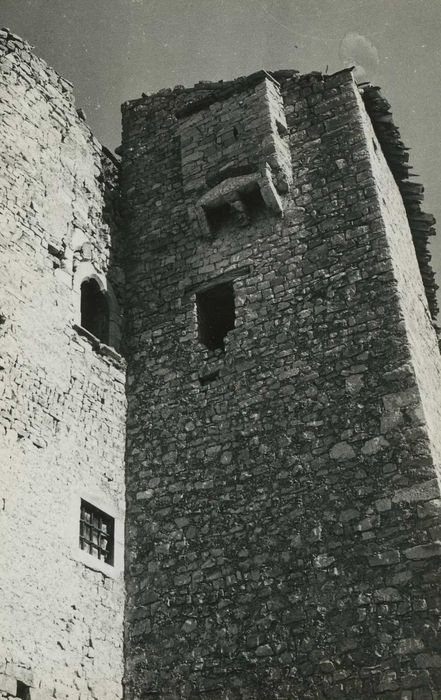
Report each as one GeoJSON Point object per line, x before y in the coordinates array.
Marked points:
{"type": "Point", "coordinates": [222, 89]}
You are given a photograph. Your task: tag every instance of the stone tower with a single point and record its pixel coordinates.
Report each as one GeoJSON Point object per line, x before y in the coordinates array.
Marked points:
{"type": "Point", "coordinates": [282, 398]}
{"type": "Point", "coordinates": [283, 431]}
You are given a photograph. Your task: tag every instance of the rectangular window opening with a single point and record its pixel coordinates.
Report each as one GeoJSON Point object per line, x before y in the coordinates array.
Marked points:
{"type": "Point", "coordinates": [219, 216]}
{"type": "Point", "coordinates": [97, 532]}
{"type": "Point", "coordinates": [216, 315]}
{"type": "Point", "coordinates": [253, 203]}
{"type": "Point", "coordinates": [208, 378]}
{"type": "Point", "coordinates": [23, 691]}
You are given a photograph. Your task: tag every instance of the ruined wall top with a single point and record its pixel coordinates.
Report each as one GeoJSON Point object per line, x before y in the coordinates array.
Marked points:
{"type": "Point", "coordinates": [212, 106]}
{"type": "Point", "coordinates": [189, 108]}
{"type": "Point", "coordinates": [20, 53]}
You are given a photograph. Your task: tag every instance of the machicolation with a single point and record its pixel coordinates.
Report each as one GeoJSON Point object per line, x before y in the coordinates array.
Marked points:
{"type": "Point", "coordinates": [220, 396]}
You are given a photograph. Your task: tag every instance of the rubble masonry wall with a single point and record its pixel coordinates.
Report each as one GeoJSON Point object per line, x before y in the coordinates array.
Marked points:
{"type": "Point", "coordinates": [62, 418]}
{"type": "Point", "coordinates": [282, 513]}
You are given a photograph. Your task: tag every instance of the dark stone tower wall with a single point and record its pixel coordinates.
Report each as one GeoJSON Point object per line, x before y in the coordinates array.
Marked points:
{"type": "Point", "coordinates": [283, 501]}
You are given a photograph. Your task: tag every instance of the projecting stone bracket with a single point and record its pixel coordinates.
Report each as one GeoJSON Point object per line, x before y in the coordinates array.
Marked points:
{"type": "Point", "coordinates": [269, 192]}
{"type": "Point", "coordinates": [232, 193]}
{"type": "Point", "coordinates": [99, 347]}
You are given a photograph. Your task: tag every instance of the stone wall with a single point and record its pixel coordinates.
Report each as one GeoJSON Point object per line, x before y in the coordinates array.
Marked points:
{"type": "Point", "coordinates": [282, 460]}
{"type": "Point", "coordinates": [236, 134]}
{"type": "Point", "coordinates": [425, 358]}
{"type": "Point", "coordinates": [282, 499]}
{"type": "Point", "coordinates": [62, 418]}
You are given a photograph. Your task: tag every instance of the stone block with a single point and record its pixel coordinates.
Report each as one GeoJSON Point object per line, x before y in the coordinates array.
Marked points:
{"type": "Point", "coordinates": [423, 551]}
{"type": "Point", "coordinates": [8, 684]}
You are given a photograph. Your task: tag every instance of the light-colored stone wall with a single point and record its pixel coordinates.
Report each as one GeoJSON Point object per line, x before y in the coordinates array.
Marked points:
{"type": "Point", "coordinates": [62, 400]}
{"type": "Point", "coordinates": [423, 342]}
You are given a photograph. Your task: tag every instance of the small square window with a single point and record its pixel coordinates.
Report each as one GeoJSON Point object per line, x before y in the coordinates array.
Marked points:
{"type": "Point", "coordinates": [219, 216]}
{"type": "Point", "coordinates": [97, 532]}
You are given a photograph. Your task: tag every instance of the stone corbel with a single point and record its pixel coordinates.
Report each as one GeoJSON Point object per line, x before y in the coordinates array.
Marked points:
{"type": "Point", "coordinates": [228, 192]}
{"type": "Point", "coordinates": [269, 193]}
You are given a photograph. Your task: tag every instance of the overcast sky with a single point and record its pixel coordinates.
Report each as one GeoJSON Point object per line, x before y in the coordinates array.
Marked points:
{"type": "Point", "coordinates": [113, 50]}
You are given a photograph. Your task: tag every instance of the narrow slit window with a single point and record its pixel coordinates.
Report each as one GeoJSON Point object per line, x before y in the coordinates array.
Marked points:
{"type": "Point", "coordinates": [216, 315]}
{"type": "Point", "coordinates": [97, 532]}
{"type": "Point", "coordinates": [94, 310]}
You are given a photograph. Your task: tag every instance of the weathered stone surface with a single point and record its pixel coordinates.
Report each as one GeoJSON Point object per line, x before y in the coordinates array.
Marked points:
{"type": "Point", "coordinates": [424, 551]}
{"type": "Point", "coordinates": [430, 509]}
{"type": "Point", "coordinates": [425, 491]}
{"type": "Point", "coordinates": [8, 685]}
{"type": "Point", "coordinates": [409, 646]}
{"type": "Point", "coordinates": [387, 595]}
{"type": "Point", "coordinates": [374, 445]}
{"type": "Point", "coordinates": [342, 451]}
{"type": "Point", "coordinates": [354, 384]}
{"type": "Point", "coordinates": [429, 660]}
{"type": "Point", "coordinates": [282, 484]}
{"type": "Point", "coordinates": [385, 558]}
{"type": "Point", "coordinates": [298, 453]}
{"type": "Point", "coordinates": [62, 403]}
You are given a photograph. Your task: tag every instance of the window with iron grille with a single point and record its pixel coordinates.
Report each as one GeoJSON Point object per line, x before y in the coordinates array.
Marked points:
{"type": "Point", "coordinates": [97, 532]}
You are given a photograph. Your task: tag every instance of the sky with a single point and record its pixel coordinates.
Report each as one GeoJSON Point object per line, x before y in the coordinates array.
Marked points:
{"type": "Point", "coordinates": [113, 50]}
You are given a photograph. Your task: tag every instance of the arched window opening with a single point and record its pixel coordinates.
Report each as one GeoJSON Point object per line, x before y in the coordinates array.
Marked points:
{"type": "Point", "coordinates": [95, 310]}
